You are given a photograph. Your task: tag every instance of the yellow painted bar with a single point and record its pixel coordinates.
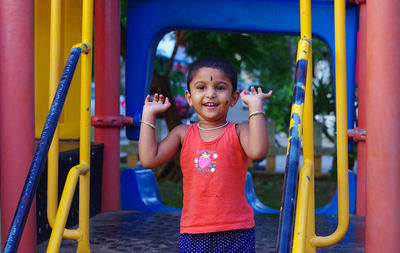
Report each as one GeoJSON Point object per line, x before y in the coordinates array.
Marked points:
{"type": "Point", "coordinates": [303, 49]}
{"type": "Point", "coordinates": [305, 217]}
{"type": "Point", "coordinates": [54, 77]}
{"type": "Point", "coordinates": [63, 210]}
{"type": "Point", "coordinates": [86, 79]}
{"type": "Point", "coordinates": [341, 126]}
{"type": "Point", "coordinates": [307, 204]}
{"type": "Point", "coordinates": [308, 154]}
{"type": "Point", "coordinates": [300, 234]}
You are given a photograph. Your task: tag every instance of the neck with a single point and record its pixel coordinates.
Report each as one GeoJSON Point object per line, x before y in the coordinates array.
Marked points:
{"type": "Point", "coordinates": [213, 128]}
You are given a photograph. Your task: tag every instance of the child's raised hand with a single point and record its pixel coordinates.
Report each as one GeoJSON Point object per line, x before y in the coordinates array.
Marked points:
{"type": "Point", "coordinates": [254, 98]}
{"type": "Point", "coordinates": [157, 106]}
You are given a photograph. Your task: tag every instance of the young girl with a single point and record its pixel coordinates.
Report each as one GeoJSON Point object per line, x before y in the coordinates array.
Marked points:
{"type": "Point", "coordinates": [214, 158]}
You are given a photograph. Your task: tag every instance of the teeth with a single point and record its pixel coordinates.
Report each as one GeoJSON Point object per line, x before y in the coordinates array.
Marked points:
{"type": "Point", "coordinates": [210, 104]}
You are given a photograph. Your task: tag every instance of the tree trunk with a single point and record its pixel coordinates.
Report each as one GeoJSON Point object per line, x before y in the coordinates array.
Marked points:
{"type": "Point", "coordinates": [160, 84]}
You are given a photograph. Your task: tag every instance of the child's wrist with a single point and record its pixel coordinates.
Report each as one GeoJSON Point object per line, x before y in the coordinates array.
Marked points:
{"type": "Point", "coordinates": [254, 113]}
{"type": "Point", "coordinates": [149, 117]}
{"type": "Point", "coordinates": [148, 123]}
{"type": "Point", "coordinates": [253, 108]}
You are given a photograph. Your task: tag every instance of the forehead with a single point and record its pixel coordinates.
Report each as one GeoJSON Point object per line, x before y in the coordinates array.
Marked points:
{"type": "Point", "coordinates": [209, 74]}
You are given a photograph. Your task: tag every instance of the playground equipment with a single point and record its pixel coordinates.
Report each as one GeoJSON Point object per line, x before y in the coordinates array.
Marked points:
{"type": "Point", "coordinates": [382, 216]}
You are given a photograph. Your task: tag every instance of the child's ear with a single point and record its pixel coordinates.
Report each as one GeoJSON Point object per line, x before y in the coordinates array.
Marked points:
{"type": "Point", "coordinates": [188, 97]}
{"type": "Point", "coordinates": [235, 97]}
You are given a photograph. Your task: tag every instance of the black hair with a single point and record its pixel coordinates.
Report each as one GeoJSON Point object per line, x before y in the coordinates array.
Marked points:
{"type": "Point", "coordinates": [215, 63]}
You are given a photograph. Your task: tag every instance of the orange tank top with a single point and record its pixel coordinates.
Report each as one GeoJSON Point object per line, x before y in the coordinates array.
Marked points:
{"type": "Point", "coordinates": [214, 176]}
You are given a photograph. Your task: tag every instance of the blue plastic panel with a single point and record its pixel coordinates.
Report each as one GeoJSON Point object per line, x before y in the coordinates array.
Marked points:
{"type": "Point", "coordinates": [332, 207]}
{"type": "Point", "coordinates": [149, 20]}
{"type": "Point", "coordinates": [139, 191]}
{"type": "Point", "coordinates": [252, 199]}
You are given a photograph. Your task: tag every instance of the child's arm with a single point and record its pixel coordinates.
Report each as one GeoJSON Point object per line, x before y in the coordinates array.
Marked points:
{"type": "Point", "coordinates": [152, 154]}
{"type": "Point", "coordinates": [254, 136]}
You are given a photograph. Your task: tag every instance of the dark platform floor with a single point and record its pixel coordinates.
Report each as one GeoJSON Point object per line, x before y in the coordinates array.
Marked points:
{"type": "Point", "coordinates": [130, 231]}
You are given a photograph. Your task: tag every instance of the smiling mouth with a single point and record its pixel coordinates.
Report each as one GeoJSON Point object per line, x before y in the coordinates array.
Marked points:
{"type": "Point", "coordinates": [211, 105]}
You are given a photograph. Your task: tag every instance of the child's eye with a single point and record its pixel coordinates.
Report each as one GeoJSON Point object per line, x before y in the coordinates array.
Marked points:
{"type": "Point", "coordinates": [200, 87]}
{"type": "Point", "coordinates": [220, 88]}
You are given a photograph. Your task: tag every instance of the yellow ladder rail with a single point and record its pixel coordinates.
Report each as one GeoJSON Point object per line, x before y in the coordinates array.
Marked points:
{"type": "Point", "coordinates": [58, 217]}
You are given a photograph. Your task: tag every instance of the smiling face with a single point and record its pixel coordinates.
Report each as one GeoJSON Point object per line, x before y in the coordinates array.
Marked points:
{"type": "Point", "coordinates": [211, 96]}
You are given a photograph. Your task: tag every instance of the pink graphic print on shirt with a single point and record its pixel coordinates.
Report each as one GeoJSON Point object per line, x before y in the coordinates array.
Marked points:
{"type": "Point", "coordinates": [205, 161]}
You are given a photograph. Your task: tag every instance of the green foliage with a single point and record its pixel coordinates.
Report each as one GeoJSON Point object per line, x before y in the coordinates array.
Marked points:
{"type": "Point", "coordinates": [266, 60]}
{"type": "Point", "coordinates": [123, 8]}
{"type": "Point", "coordinates": [324, 101]}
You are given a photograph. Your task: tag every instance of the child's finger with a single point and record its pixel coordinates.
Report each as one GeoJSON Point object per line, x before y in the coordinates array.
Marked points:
{"type": "Point", "coordinates": [147, 98]}
{"type": "Point", "coordinates": [161, 100]}
{"type": "Point", "coordinates": [167, 101]}
{"type": "Point", "coordinates": [259, 90]}
{"type": "Point", "coordinates": [253, 90]}
{"type": "Point", "coordinates": [269, 93]}
{"type": "Point", "coordinates": [155, 99]}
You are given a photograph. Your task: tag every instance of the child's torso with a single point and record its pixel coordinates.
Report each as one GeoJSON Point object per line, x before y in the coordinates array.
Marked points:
{"type": "Point", "coordinates": [214, 176]}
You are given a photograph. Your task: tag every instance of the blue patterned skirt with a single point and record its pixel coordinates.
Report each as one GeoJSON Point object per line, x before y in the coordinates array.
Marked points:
{"type": "Point", "coordinates": [240, 241]}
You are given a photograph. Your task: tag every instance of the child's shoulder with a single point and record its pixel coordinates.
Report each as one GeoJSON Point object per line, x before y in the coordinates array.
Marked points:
{"type": "Point", "coordinates": [242, 127]}
{"type": "Point", "coordinates": [181, 128]}
{"type": "Point", "coordinates": [180, 131]}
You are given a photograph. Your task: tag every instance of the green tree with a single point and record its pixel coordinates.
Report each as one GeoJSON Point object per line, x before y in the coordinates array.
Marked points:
{"type": "Point", "coordinates": [267, 60]}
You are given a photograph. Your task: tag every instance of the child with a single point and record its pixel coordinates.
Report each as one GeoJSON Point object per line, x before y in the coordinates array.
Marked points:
{"type": "Point", "coordinates": [214, 158]}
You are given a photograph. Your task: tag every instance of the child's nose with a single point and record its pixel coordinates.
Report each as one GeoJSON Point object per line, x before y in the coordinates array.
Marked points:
{"type": "Point", "coordinates": [211, 92]}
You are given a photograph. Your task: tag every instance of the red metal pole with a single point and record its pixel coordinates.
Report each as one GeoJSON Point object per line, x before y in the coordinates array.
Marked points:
{"type": "Point", "coordinates": [107, 85]}
{"type": "Point", "coordinates": [383, 126]}
{"type": "Point", "coordinates": [362, 83]}
{"type": "Point", "coordinates": [17, 114]}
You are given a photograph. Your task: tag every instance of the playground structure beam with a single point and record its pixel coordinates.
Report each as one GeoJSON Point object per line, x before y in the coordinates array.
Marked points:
{"type": "Point", "coordinates": [382, 124]}
{"type": "Point", "coordinates": [107, 88]}
{"type": "Point", "coordinates": [17, 115]}
{"type": "Point", "coordinates": [362, 110]}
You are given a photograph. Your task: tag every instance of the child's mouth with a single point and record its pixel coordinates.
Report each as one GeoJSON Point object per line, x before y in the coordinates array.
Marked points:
{"type": "Point", "coordinates": [210, 105]}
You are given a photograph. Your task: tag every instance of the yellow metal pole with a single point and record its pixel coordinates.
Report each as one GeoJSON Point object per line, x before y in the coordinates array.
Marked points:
{"type": "Point", "coordinates": [86, 79]}
{"type": "Point", "coordinates": [54, 78]}
{"type": "Point", "coordinates": [341, 126]}
{"type": "Point", "coordinates": [306, 204]}
{"type": "Point", "coordinates": [55, 68]}
{"type": "Point", "coordinates": [308, 154]}
{"type": "Point", "coordinates": [63, 211]}
{"type": "Point", "coordinates": [300, 236]}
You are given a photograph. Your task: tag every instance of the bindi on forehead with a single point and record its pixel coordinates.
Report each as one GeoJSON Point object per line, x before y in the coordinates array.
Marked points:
{"type": "Point", "coordinates": [211, 78]}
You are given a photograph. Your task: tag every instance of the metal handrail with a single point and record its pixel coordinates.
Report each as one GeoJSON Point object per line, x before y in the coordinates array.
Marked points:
{"type": "Point", "coordinates": [293, 149]}
{"type": "Point", "coordinates": [341, 126]}
{"type": "Point", "coordinates": [305, 213]}
{"type": "Point", "coordinates": [36, 168]}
